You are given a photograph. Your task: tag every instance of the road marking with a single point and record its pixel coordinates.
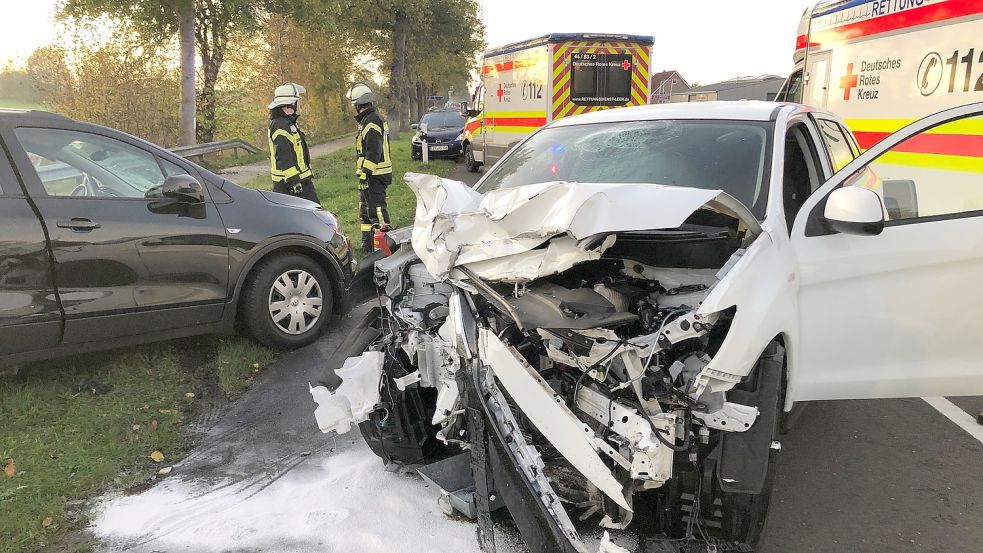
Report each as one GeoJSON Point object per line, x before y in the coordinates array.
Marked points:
{"type": "Point", "coordinates": [952, 412]}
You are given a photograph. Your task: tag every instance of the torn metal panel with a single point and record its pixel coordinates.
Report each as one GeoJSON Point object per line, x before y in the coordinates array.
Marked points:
{"type": "Point", "coordinates": [354, 399]}
{"type": "Point", "coordinates": [456, 225]}
{"type": "Point", "coordinates": [547, 411]}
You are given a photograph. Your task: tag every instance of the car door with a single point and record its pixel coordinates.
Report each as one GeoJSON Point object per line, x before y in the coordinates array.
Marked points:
{"type": "Point", "coordinates": [30, 317]}
{"type": "Point", "coordinates": [128, 261]}
{"type": "Point", "coordinates": [900, 313]}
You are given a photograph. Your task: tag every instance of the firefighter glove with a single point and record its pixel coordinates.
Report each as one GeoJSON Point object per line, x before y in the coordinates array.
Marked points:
{"type": "Point", "coordinates": [363, 182]}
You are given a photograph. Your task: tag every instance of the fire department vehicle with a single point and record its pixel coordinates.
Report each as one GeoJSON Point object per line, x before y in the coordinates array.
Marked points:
{"type": "Point", "coordinates": [881, 64]}
{"type": "Point", "coordinates": [527, 84]}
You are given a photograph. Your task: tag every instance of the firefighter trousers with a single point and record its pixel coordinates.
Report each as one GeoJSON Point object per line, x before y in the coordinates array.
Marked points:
{"type": "Point", "coordinates": [307, 190]}
{"type": "Point", "coordinates": [372, 210]}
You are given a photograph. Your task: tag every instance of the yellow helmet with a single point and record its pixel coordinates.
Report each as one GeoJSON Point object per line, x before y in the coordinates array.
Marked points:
{"type": "Point", "coordinates": [287, 94]}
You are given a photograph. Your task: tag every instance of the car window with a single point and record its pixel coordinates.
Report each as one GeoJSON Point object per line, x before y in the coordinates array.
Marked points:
{"type": "Point", "coordinates": [171, 169]}
{"type": "Point", "coordinates": [732, 156]}
{"type": "Point", "coordinates": [837, 144]}
{"type": "Point", "coordinates": [75, 163]}
{"type": "Point", "coordinates": [792, 89]}
{"type": "Point", "coordinates": [443, 120]}
{"type": "Point", "coordinates": [936, 173]}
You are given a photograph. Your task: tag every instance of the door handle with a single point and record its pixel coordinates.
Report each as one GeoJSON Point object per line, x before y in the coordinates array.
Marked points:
{"type": "Point", "coordinates": [79, 224]}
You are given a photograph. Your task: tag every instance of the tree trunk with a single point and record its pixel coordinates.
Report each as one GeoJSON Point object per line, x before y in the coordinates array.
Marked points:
{"type": "Point", "coordinates": [187, 112]}
{"type": "Point", "coordinates": [421, 98]}
{"type": "Point", "coordinates": [210, 35]}
{"type": "Point", "coordinates": [414, 104]}
{"type": "Point", "coordinates": [398, 73]}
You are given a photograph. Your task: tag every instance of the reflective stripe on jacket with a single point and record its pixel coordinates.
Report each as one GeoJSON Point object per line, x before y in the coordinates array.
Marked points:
{"type": "Point", "coordinates": [289, 158]}
{"type": "Point", "coordinates": [372, 145]}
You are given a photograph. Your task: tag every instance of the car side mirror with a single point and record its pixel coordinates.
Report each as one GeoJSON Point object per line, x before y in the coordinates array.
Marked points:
{"type": "Point", "coordinates": [183, 188]}
{"type": "Point", "coordinates": [855, 210]}
{"type": "Point", "coordinates": [414, 126]}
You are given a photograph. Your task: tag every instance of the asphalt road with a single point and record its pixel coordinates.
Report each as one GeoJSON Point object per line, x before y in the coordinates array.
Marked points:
{"type": "Point", "coordinates": [854, 476]}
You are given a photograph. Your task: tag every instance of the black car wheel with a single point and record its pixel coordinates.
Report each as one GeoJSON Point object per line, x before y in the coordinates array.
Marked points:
{"type": "Point", "coordinates": [287, 302]}
{"type": "Point", "coordinates": [473, 166]}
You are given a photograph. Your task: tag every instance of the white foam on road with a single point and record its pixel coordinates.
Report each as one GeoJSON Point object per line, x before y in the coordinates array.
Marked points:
{"type": "Point", "coordinates": [332, 502]}
{"type": "Point", "coordinates": [952, 412]}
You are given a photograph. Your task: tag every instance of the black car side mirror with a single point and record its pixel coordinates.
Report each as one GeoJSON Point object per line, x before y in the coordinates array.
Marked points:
{"type": "Point", "coordinates": [183, 188]}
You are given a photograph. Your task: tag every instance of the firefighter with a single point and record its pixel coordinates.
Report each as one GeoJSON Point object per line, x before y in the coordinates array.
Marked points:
{"type": "Point", "coordinates": [290, 161]}
{"type": "Point", "coordinates": [373, 166]}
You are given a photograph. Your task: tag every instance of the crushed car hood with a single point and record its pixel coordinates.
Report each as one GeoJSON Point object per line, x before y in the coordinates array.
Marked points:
{"type": "Point", "coordinates": [457, 226]}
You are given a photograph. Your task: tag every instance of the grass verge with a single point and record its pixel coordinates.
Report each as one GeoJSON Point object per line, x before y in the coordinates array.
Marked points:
{"type": "Point", "coordinates": [334, 179]}
{"type": "Point", "coordinates": [61, 444]}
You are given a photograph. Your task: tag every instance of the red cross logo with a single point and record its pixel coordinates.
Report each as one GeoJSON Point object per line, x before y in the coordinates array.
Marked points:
{"type": "Point", "coordinates": [848, 81]}
{"type": "Point", "coordinates": [500, 92]}
{"type": "Point", "coordinates": [626, 65]}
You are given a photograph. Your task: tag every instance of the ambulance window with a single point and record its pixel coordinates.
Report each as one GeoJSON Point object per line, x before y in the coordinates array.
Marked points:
{"type": "Point", "coordinates": [792, 89]}
{"type": "Point", "coordinates": [838, 145]}
{"type": "Point", "coordinates": [600, 79]}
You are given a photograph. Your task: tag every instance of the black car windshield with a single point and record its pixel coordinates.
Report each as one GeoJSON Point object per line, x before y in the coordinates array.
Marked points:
{"type": "Point", "coordinates": [443, 120]}
{"type": "Point", "coordinates": [733, 156]}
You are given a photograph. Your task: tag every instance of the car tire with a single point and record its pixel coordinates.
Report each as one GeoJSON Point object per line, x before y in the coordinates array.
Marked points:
{"type": "Point", "coordinates": [473, 166]}
{"type": "Point", "coordinates": [744, 513]}
{"type": "Point", "coordinates": [287, 301]}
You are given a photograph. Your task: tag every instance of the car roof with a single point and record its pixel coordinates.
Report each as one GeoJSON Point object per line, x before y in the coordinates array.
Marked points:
{"type": "Point", "coordinates": [734, 111]}
{"type": "Point", "coordinates": [14, 113]}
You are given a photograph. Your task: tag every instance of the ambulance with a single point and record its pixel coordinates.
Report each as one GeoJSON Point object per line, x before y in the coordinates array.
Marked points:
{"type": "Point", "coordinates": [528, 84]}
{"type": "Point", "coordinates": [881, 64]}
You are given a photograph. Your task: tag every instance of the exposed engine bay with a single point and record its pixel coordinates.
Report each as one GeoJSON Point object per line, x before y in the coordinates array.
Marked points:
{"type": "Point", "coordinates": [571, 364]}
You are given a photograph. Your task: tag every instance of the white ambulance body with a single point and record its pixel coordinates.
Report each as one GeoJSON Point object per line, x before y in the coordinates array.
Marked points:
{"type": "Point", "coordinates": [882, 64]}
{"type": "Point", "coordinates": [528, 84]}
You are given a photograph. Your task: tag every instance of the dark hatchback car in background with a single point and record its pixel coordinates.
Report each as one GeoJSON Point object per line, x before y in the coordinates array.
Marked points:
{"type": "Point", "coordinates": [442, 131]}
{"type": "Point", "coordinates": [107, 240]}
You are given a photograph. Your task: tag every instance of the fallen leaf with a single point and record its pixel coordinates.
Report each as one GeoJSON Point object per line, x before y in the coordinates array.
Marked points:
{"type": "Point", "coordinates": [136, 427]}
{"type": "Point", "coordinates": [189, 394]}
{"type": "Point", "coordinates": [46, 522]}
{"type": "Point", "coordinates": [165, 470]}
{"type": "Point", "coordinates": [10, 469]}
{"type": "Point", "coordinates": [255, 365]}
{"type": "Point", "coordinates": [153, 425]}
{"type": "Point", "coordinates": [157, 456]}
{"type": "Point", "coordinates": [166, 411]}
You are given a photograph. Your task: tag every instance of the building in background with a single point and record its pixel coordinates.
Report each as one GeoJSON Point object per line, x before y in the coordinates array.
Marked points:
{"type": "Point", "coordinates": [764, 87]}
{"type": "Point", "coordinates": [665, 84]}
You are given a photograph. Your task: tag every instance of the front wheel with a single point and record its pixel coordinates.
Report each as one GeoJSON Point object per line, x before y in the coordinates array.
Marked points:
{"type": "Point", "coordinates": [473, 166]}
{"type": "Point", "coordinates": [287, 301]}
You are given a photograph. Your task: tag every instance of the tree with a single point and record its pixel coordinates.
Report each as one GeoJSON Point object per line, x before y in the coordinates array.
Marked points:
{"type": "Point", "coordinates": [158, 19]}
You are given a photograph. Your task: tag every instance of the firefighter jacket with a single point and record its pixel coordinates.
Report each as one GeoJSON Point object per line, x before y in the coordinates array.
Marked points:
{"type": "Point", "coordinates": [290, 161]}
{"type": "Point", "coordinates": [372, 159]}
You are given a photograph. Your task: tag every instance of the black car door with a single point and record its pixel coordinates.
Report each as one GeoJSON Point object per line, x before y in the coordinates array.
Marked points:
{"type": "Point", "coordinates": [30, 317]}
{"type": "Point", "coordinates": [127, 261]}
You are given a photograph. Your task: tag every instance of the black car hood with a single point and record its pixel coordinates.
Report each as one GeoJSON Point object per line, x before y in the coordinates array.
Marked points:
{"type": "Point", "coordinates": [445, 134]}
{"type": "Point", "coordinates": [288, 200]}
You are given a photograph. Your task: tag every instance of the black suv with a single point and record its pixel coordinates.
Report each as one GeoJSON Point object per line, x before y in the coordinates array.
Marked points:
{"type": "Point", "coordinates": [107, 240]}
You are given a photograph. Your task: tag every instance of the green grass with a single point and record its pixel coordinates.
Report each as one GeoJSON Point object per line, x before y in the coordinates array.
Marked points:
{"type": "Point", "coordinates": [338, 188]}
{"type": "Point", "coordinates": [19, 104]}
{"type": "Point", "coordinates": [236, 363]}
{"type": "Point", "coordinates": [69, 446]}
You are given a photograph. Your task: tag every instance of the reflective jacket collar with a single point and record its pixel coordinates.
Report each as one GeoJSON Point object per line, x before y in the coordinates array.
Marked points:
{"type": "Point", "coordinates": [362, 115]}
{"type": "Point", "coordinates": [277, 113]}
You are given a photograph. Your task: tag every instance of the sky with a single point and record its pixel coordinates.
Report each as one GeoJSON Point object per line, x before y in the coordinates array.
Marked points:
{"type": "Point", "coordinates": [706, 40]}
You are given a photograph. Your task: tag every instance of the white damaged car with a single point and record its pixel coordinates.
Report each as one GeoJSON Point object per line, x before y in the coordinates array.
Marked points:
{"type": "Point", "coordinates": [616, 324]}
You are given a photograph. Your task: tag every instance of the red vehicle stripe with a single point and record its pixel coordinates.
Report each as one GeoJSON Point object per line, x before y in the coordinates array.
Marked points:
{"type": "Point", "coordinates": [968, 145]}
{"type": "Point", "coordinates": [517, 121]}
{"type": "Point", "coordinates": [898, 20]}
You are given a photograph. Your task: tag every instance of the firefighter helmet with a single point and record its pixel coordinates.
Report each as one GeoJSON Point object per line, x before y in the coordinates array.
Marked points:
{"type": "Point", "coordinates": [360, 94]}
{"type": "Point", "coordinates": [287, 94]}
